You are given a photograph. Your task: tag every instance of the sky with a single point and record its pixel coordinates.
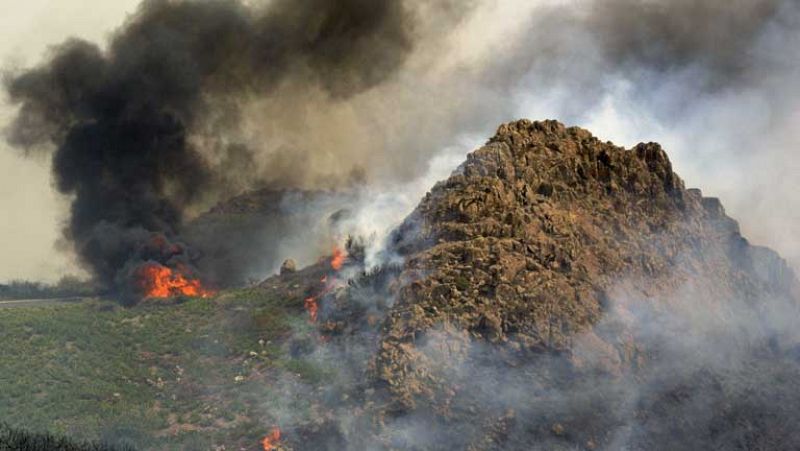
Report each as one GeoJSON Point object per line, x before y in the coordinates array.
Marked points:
{"type": "Point", "coordinates": [588, 64]}
{"type": "Point", "coordinates": [29, 229]}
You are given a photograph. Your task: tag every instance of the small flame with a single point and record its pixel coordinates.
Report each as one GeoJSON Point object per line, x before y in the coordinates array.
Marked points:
{"type": "Point", "coordinates": [311, 304]}
{"type": "Point", "coordinates": [339, 255]}
{"type": "Point", "coordinates": [312, 308]}
{"type": "Point", "coordinates": [159, 281]}
{"type": "Point", "coordinates": [270, 442]}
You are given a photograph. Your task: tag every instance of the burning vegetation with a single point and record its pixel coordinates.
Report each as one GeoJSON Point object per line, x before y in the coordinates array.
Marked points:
{"type": "Point", "coordinates": [158, 281]}
{"type": "Point", "coordinates": [271, 441]}
{"type": "Point", "coordinates": [125, 121]}
{"type": "Point", "coordinates": [338, 259]}
{"type": "Point", "coordinates": [328, 282]}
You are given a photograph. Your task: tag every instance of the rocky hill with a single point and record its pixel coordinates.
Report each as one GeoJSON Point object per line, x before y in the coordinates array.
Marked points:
{"type": "Point", "coordinates": [555, 293]}
{"type": "Point", "coordinates": [565, 292]}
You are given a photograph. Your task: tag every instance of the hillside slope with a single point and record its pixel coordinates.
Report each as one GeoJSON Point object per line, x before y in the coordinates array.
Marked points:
{"type": "Point", "coordinates": [16, 439]}
{"type": "Point", "coordinates": [556, 293]}
{"type": "Point", "coordinates": [555, 269]}
{"type": "Point", "coordinates": [173, 374]}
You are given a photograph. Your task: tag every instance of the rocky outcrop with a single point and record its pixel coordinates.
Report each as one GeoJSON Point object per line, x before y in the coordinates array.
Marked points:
{"type": "Point", "coordinates": [555, 293]}
{"type": "Point", "coordinates": [544, 251]}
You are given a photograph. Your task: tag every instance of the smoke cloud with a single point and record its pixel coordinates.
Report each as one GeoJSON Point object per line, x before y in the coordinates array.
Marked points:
{"type": "Point", "coordinates": [714, 82]}
{"type": "Point", "coordinates": [121, 119]}
{"type": "Point", "coordinates": [330, 95]}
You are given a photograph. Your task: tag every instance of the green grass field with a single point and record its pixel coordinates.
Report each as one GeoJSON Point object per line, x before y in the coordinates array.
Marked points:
{"type": "Point", "coordinates": [171, 375]}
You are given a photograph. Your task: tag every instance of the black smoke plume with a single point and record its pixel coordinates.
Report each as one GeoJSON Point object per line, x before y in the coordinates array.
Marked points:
{"type": "Point", "coordinates": [121, 118]}
{"type": "Point", "coordinates": [383, 87]}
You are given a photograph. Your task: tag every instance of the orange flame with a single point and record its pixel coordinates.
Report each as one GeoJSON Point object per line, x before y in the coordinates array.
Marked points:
{"type": "Point", "coordinates": [270, 442]}
{"type": "Point", "coordinates": [312, 308]}
{"type": "Point", "coordinates": [311, 304]}
{"type": "Point", "coordinates": [339, 255]}
{"type": "Point", "coordinates": [159, 281]}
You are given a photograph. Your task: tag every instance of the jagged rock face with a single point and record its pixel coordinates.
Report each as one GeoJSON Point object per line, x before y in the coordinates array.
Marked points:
{"type": "Point", "coordinates": [545, 246]}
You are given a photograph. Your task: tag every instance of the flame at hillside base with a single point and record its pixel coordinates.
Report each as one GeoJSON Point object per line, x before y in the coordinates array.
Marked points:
{"type": "Point", "coordinates": [159, 281]}
{"type": "Point", "coordinates": [339, 256]}
{"type": "Point", "coordinates": [270, 442]}
{"type": "Point", "coordinates": [311, 304]}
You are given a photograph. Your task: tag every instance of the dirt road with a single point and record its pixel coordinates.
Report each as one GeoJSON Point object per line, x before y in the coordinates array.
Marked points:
{"type": "Point", "coordinates": [37, 302]}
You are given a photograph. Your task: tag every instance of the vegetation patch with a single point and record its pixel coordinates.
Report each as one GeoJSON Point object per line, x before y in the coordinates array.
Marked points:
{"type": "Point", "coordinates": [193, 373]}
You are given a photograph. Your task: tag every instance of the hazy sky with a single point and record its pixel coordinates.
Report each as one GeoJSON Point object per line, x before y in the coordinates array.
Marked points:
{"type": "Point", "coordinates": [31, 211]}
{"type": "Point", "coordinates": [738, 143]}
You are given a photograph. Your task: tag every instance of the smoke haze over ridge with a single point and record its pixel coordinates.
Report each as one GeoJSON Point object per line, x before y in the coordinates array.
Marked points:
{"type": "Point", "coordinates": [713, 81]}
